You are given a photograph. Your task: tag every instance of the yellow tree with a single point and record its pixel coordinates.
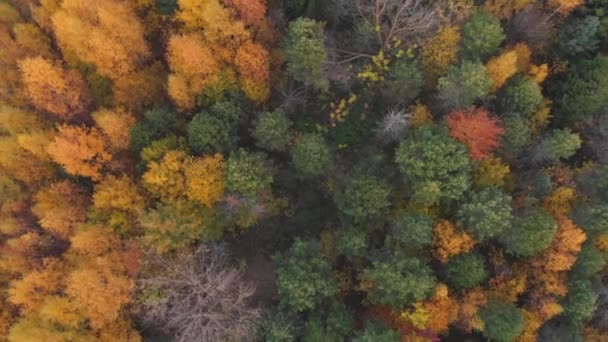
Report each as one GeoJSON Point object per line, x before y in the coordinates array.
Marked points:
{"type": "Point", "coordinates": [80, 150]}
{"type": "Point", "coordinates": [115, 124]}
{"type": "Point", "coordinates": [252, 63]}
{"type": "Point", "coordinates": [205, 179]}
{"type": "Point", "coordinates": [30, 292]}
{"type": "Point", "coordinates": [166, 178]}
{"type": "Point", "coordinates": [501, 68]}
{"type": "Point", "coordinates": [118, 193]}
{"type": "Point", "coordinates": [99, 286]}
{"type": "Point", "coordinates": [50, 88]}
{"type": "Point", "coordinates": [61, 207]}
{"type": "Point", "coordinates": [193, 66]}
{"type": "Point", "coordinates": [106, 33]}
{"type": "Point", "coordinates": [439, 52]}
{"type": "Point", "coordinates": [564, 7]}
{"type": "Point", "coordinates": [449, 241]}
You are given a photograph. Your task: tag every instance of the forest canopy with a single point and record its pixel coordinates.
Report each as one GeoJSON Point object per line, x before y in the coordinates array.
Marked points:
{"type": "Point", "coordinates": [303, 170]}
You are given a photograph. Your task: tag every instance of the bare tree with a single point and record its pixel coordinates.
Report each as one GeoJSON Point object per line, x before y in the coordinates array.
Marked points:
{"type": "Point", "coordinates": [532, 26]}
{"type": "Point", "coordinates": [410, 21]}
{"type": "Point", "coordinates": [393, 126]}
{"type": "Point", "coordinates": [198, 297]}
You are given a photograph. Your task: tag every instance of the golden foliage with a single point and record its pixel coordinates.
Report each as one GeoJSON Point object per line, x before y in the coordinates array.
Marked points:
{"type": "Point", "coordinates": [439, 52]}
{"type": "Point", "coordinates": [561, 255]}
{"type": "Point", "coordinates": [21, 164]}
{"type": "Point", "coordinates": [491, 171]}
{"type": "Point", "coordinates": [504, 9]}
{"type": "Point", "coordinates": [205, 179]}
{"type": "Point", "coordinates": [559, 202]}
{"type": "Point", "coordinates": [538, 73]}
{"type": "Point", "coordinates": [115, 124]}
{"type": "Point", "coordinates": [501, 68]}
{"type": "Point", "coordinates": [470, 304]}
{"type": "Point", "coordinates": [420, 115]}
{"type": "Point", "coordinates": [118, 193]}
{"type": "Point", "coordinates": [30, 292]}
{"type": "Point", "coordinates": [60, 208]}
{"type": "Point", "coordinates": [193, 66]}
{"type": "Point", "coordinates": [80, 150]}
{"type": "Point", "coordinates": [166, 178]}
{"type": "Point", "coordinates": [63, 93]}
{"type": "Point", "coordinates": [508, 288]}
{"type": "Point", "coordinates": [449, 241]}
{"type": "Point", "coordinates": [106, 33]}
{"type": "Point", "coordinates": [541, 118]}
{"type": "Point", "coordinates": [215, 21]}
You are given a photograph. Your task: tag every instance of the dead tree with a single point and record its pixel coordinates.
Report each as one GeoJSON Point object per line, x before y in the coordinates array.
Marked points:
{"type": "Point", "coordinates": [198, 297]}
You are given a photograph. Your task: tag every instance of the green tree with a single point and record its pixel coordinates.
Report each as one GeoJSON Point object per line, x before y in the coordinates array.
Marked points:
{"type": "Point", "coordinates": [581, 301]}
{"type": "Point", "coordinates": [272, 131]}
{"type": "Point", "coordinates": [248, 172]}
{"type": "Point", "coordinates": [364, 198]}
{"type": "Point", "coordinates": [466, 271]}
{"type": "Point", "coordinates": [486, 213]}
{"type": "Point", "coordinates": [482, 34]}
{"type": "Point", "coordinates": [398, 280]}
{"type": "Point", "coordinates": [351, 243]}
{"type": "Point", "coordinates": [520, 95]}
{"type": "Point", "coordinates": [589, 261]}
{"type": "Point", "coordinates": [430, 155]}
{"type": "Point", "coordinates": [173, 226]}
{"type": "Point", "coordinates": [578, 35]}
{"type": "Point", "coordinates": [311, 155]}
{"type": "Point", "coordinates": [403, 84]}
{"type": "Point", "coordinates": [530, 233]}
{"type": "Point", "coordinates": [503, 321]}
{"type": "Point", "coordinates": [464, 84]}
{"type": "Point", "coordinates": [306, 52]}
{"type": "Point", "coordinates": [413, 230]}
{"type": "Point", "coordinates": [560, 144]}
{"type": "Point", "coordinates": [377, 333]}
{"type": "Point", "coordinates": [304, 278]}
{"type": "Point", "coordinates": [517, 134]}
{"type": "Point", "coordinates": [214, 129]}
{"type": "Point", "coordinates": [156, 123]}
{"type": "Point", "coordinates": [582, 91]}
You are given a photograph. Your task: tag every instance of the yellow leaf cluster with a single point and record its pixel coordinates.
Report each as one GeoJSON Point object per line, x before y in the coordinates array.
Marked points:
{"type": "Point", "coordinates": [60, 208]}
{"type": "Point", "coordinates": [205, 179]}
{"type": "Point", "coordinates": [115, 124]}
{"type": "Point", "coordinates": [559, 202]}
{"type": "Point", "coordinates": [49, 88]}
{"type": "Point", "coordinates": [439, 52]}
{"type": "Point", "coordinates": [106, 33]}
{"type": "Point", "coordinates": [118, 193]}
{"type": "Point", "coordinates": [420, 115]}
{"type": "Point", "coordinates": [166, 178]}
{"type": "Point", "coordinates": [491, 171]}
{"type": "Point", "coordinates": [449, 241]}
{"type": "Point", "coordinates": [80, 150]}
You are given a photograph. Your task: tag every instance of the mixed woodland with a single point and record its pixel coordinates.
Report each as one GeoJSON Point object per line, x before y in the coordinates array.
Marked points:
{"type": "Point", "coordinates": [304, 170]}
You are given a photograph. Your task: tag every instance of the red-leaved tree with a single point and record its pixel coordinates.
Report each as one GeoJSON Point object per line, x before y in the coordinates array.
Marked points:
{"type": "Point", "coordinates": [476, 129]}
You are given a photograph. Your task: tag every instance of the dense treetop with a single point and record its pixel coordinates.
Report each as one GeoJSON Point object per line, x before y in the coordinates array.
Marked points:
{"type": "Point", "coordinates": [303, 170]}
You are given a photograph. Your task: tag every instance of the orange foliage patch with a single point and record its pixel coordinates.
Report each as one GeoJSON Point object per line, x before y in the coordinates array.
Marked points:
{"type": "Point", "coordinates": [476, 129]}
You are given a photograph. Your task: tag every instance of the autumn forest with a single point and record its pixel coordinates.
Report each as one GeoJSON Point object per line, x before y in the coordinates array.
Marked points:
{"type": "Point", "coordinates": [304, 170]}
